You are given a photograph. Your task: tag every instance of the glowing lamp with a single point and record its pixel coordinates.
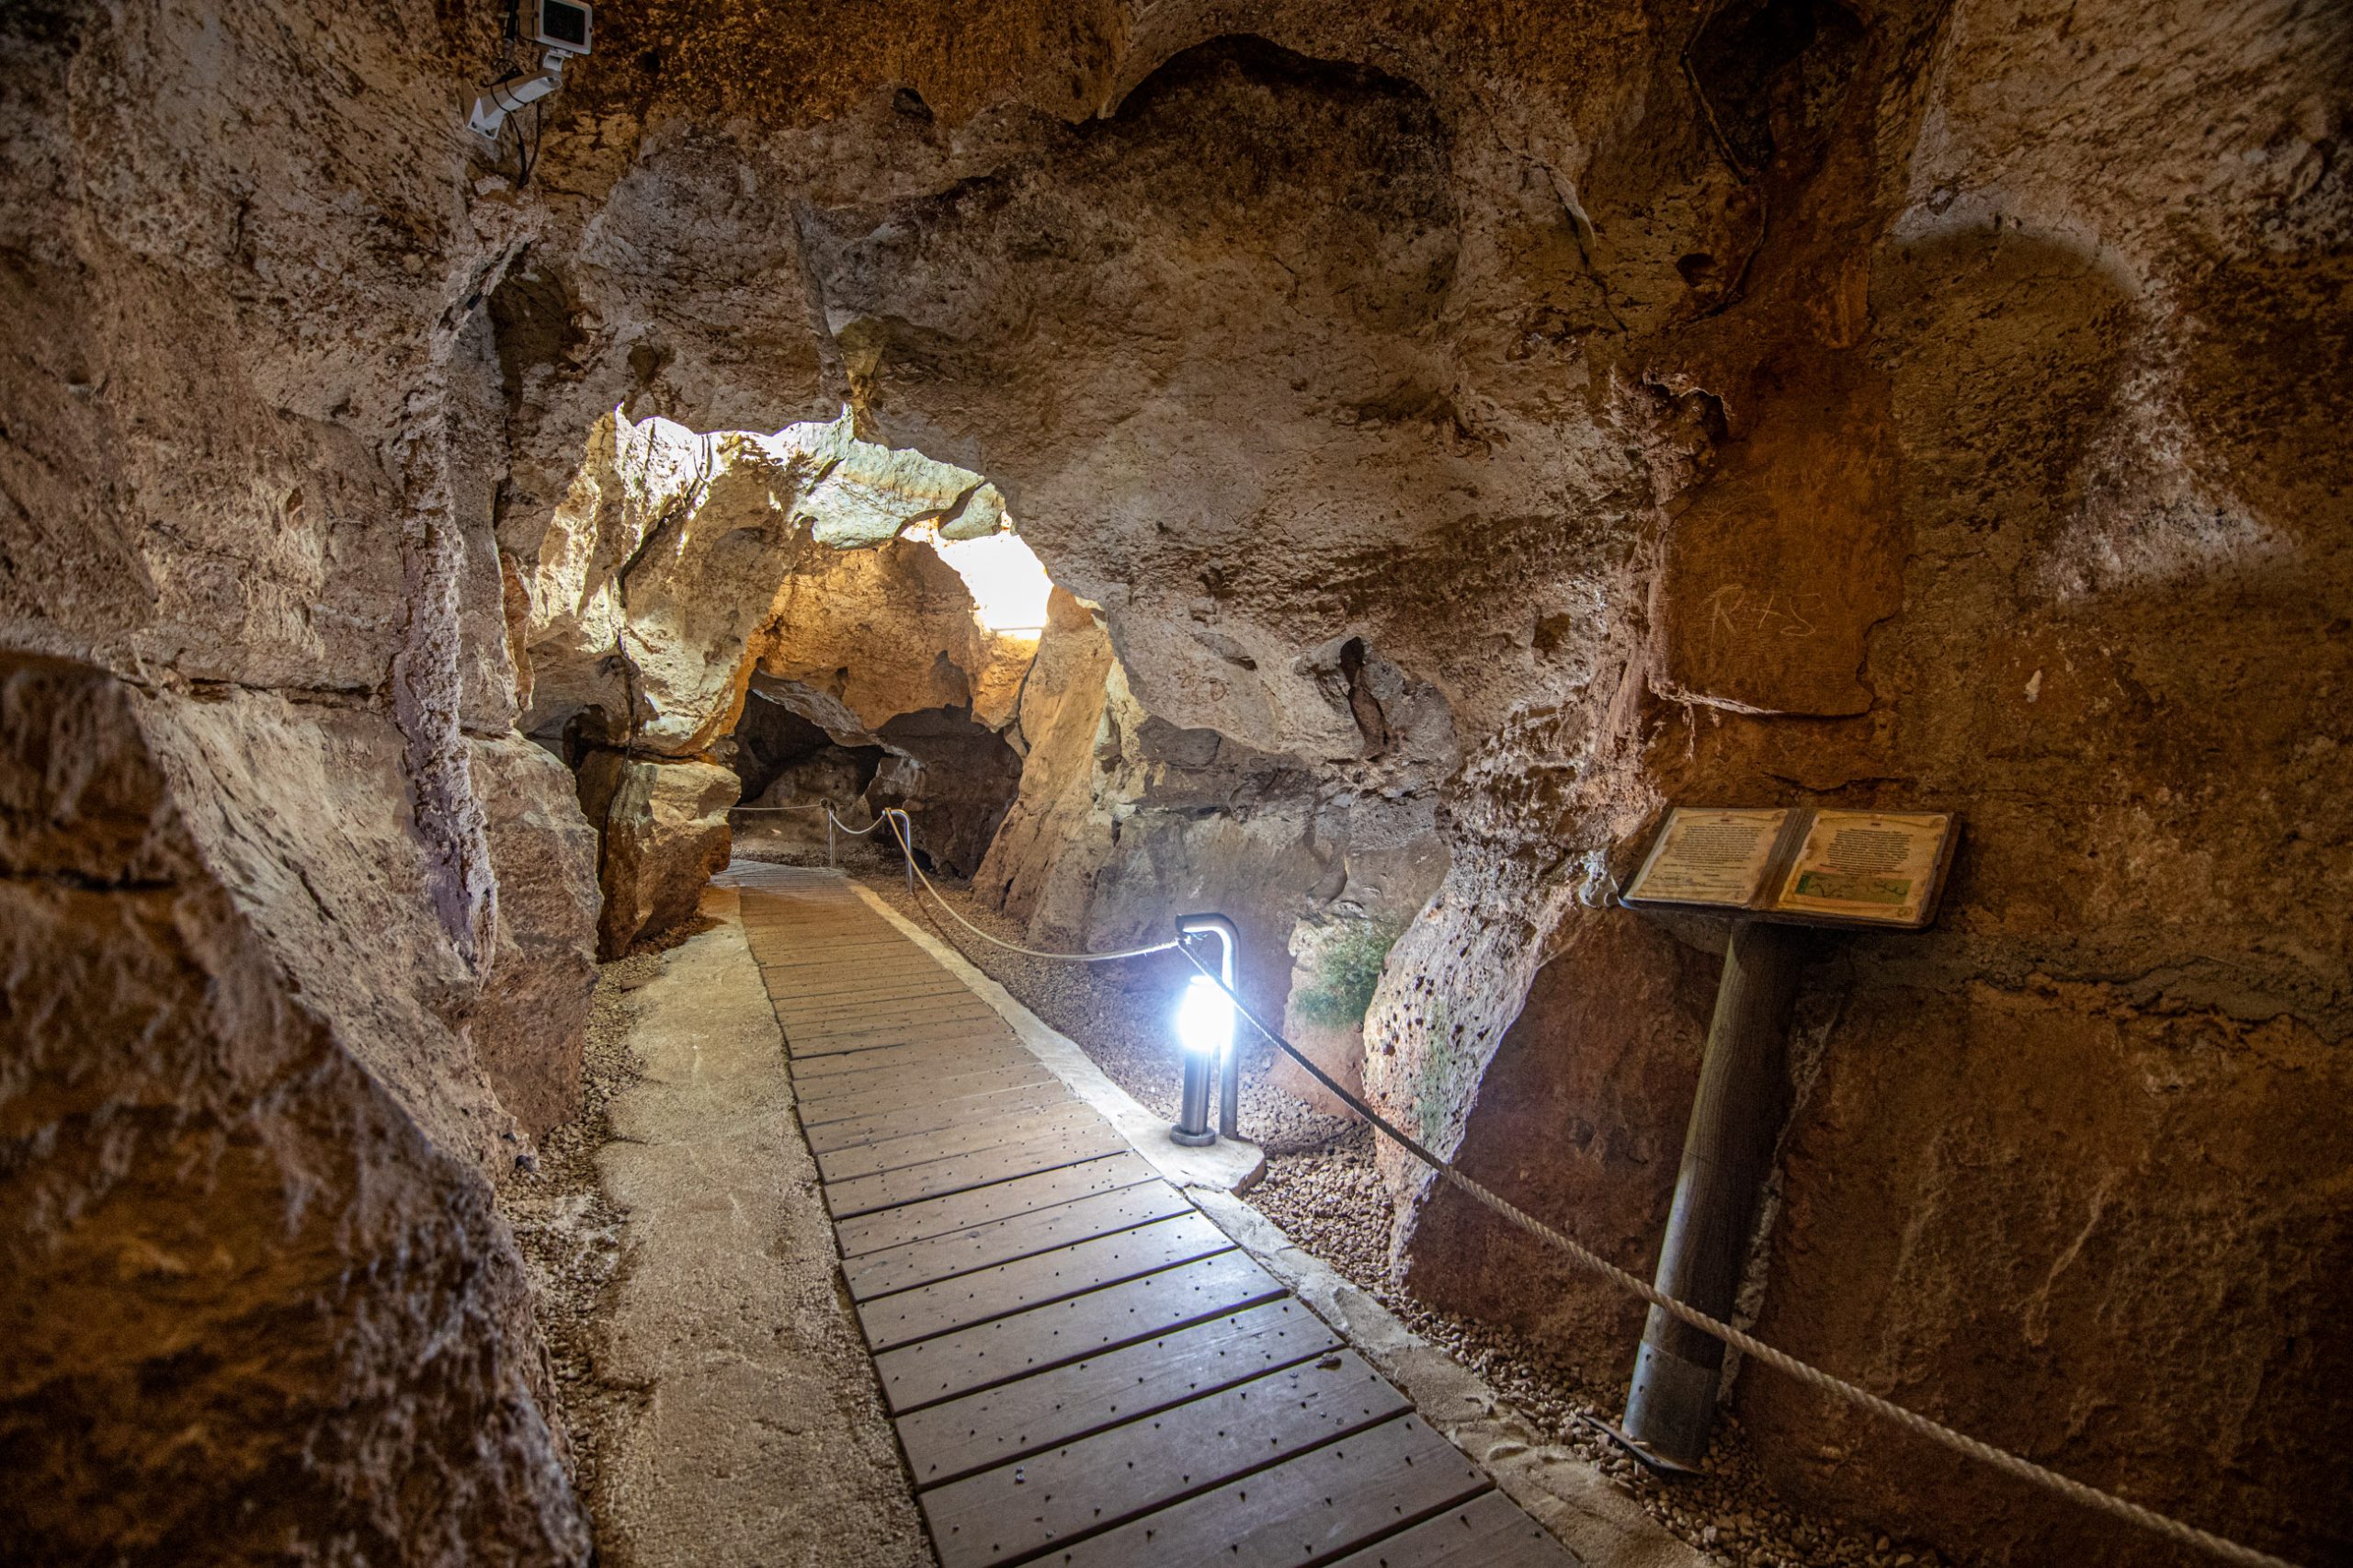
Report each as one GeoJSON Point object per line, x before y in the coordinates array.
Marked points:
{"type": "Point", "coordinates": [1205, 1018]}
{"type": "Point", "coordinates": [1205, 1028]}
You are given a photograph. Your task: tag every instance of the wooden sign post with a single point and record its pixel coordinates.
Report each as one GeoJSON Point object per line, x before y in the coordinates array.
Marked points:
{"type": "Point", "coordinates": [1774, 872]}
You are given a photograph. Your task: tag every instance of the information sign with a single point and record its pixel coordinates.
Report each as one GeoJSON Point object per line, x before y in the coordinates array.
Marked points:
{"type": "Point", "coordinates": [1711, 857]}
{"type": "Point", "coordinates": [1829, 868]}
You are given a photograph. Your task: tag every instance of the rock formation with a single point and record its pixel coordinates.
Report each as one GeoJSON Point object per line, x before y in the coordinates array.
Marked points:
{"type": "Point", "coordinates": [259, 1296]}
{"type": "Point", "coordinates": [1473, 431]}
{"type": "Point", "coordinates": [680, 566]}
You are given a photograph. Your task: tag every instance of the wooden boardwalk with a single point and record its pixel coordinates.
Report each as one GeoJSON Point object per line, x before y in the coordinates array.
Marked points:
{"type": "Point", "coordinates": [1082, 1368]}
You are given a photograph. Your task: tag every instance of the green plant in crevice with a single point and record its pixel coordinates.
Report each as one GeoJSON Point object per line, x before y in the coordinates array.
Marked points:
{"type": "Point", "coordinates": [1347, 971]}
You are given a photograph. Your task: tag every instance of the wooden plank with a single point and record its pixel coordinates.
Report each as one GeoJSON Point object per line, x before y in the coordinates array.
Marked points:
{"type": "Point", "coordinates": [985, 1167]}
{"type": "Point", "coordinates": [807, 958]}
{"type": "Point", "coordinates": [887, 1015]}
{"type": "Point", "coordinates": [961, 1020]}
{"type": "Point", "coordinates": [1308, 1510]}
{"type": "Point", "coordinates": [834, 982]}
{"type": "Point", "coordinates": [932, 1370]}
{"type": "Point", "coordinates": [939, 1055]}
{"type": "Point", "coordinates": [836, 990]}
{"type": "Point", "coordinates": [930, 1055]}
{"type": "Point", "coordinates": [969, 1299]}
{"type": "Point", "coordinates": [771, 951]}
{"type": "Point", "coordinates": [935, 1112]}
{"type": "Point", "coordinates": [897, 1098]}
{"type": "Point", "coordinates": [894, 1082]}
{"type": "Point", "coordinates": [1006, 1514]}
{"type": "Point", "coordinates": [976, 1026]}
{"type": "Point", "coordinates": [945, 1442]}
{"type": "Point", "coordinates": [839, 994]}
{"type": "Point", "coordinates": [1003, 1241]}
{"type": "Point", "coordinates": [959, 1211]}
{"type": "Point", "coordinates": [1489, 1531]}
{"type": "Point", "coordinates": [1067, 1114]}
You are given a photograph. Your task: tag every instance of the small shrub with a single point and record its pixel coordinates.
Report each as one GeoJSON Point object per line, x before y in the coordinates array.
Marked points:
{"type": "Point", "coordinates": [1346, 973]}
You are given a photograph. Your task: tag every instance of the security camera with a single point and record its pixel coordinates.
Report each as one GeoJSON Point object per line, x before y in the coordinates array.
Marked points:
{"type": "Point", "coordinates": [563, 26]}
{"type": "Point", "coordinates": [505, 97]}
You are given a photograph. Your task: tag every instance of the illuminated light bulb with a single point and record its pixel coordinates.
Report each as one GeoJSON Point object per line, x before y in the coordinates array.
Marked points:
{"type": "Point", "coordinates": [1205, 1017]}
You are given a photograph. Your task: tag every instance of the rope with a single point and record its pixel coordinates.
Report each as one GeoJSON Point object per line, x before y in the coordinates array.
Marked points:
{"type": "Point", "coordinates": [906, 847]}
{"type": "Point", "coordinates": [854, 832]}
{"type": "Point", "coordinates": [804, 806]}
{"type": "Point", "coordinates": [1813, 1377]}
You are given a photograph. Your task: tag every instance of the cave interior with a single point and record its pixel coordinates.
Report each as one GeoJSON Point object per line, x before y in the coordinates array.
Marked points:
{"type": "Point", "coordinates": [1355, 470]}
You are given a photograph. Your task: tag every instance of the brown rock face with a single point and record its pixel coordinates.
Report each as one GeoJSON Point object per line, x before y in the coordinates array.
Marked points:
{"type": "Point", "coordinates": [664, 828]}
{"type": "Point", "coordinates": [1474, 429]}
{"type": "Point", "coordinates": [244, 1193]}
{"type": "Point", "coordinates": [526, 1028]}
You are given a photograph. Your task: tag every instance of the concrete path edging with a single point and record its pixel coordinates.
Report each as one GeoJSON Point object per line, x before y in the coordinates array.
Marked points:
{"type": "Point", "coordinates": [754, 1436]}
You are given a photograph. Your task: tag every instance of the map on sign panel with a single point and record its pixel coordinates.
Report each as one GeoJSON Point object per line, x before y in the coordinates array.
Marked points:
{"type": "Point", "coordinates": [1866, 864]}
{"type": "Point", "coordinates": [1806, 866]}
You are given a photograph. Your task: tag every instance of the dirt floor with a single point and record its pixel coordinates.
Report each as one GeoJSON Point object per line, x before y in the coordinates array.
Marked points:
{"type": "Point", "coordinates": [1320, 1189]}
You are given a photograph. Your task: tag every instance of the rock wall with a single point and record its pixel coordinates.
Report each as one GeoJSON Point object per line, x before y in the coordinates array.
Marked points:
{"type": "Point", "coordinates": [662, 833]}
{"type": "Point", "coordinates": [284, 981]}
{"type": "Point", "coordinates": [1477, 430]}
{"type": "Point", "coordinates": [680, 567]}
{"type": "Point", "coordinates": [529, 1023]}
{"type": "Point", "coordinates": [259, 1299]}
{"type": "Point", "coordinates": [1773, 403]}
{"type": "Point", "coordinates": [1124, 821]}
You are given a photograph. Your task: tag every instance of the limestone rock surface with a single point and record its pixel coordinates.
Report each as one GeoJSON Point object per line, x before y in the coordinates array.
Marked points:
{"type": "Point", "coordinates": [527, 1027]}
{"type": "Point", "coordinates": [890, 630]}
{"type": "Point", "coordinates": [1478, 428]}
{"type": "Point", "coordinates": [667, 561]}
{"type": "Point", "coordinates": [665, 833]}
{"type": "Point", "coordinates": [218, 1132]}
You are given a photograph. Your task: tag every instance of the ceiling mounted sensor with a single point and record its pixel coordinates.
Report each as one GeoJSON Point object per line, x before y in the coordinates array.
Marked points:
{"type": "Point", "coordinates": [563, 29]}
{"type": "Point", "coordinates": [564, 24]}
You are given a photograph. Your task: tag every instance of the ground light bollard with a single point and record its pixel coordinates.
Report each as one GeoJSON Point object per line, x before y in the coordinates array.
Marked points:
{"type": "Point", "coordinates": [1774, 870]}
{"type": "Point", "coordinates": [905, 829]}
{"type": "Point", "coordinates": [1205, 1030]}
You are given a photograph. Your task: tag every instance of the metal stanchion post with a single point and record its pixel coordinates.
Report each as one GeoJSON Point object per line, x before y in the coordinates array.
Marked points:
{"type": "Point", "coordinates": [1737, 1113]}
{"type": "Point", "coordinates": [829, 835]}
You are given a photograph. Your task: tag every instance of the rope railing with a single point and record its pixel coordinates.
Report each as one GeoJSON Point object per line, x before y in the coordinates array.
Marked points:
{"type": "Point", "coordinates": [1749, 1344]}
{"type": "Point", "coordinates": [2014, 1465]}
{"type": "Point", "coordinates": [904, 834]}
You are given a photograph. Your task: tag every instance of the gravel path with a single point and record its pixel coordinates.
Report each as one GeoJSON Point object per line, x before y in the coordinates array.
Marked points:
{"type": "Point", "coordinates": [1321, 1187]}
{"type": "Point", "coordinates": [569, 1231]}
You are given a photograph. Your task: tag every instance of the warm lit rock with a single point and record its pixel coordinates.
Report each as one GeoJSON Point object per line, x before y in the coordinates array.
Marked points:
{"type": "Point", "coordinates": [663, 832]}
{"type": "Point", "coordinates": [669, 559]}
{"type": "Point", "coordinates": [1476, 428]}
{"type": "Point", "coordinates": [228, 1107]}
{"type": "Point", "coordinates": [527, 1028]}
{"type": "Point", "coordinates": [888, 631]}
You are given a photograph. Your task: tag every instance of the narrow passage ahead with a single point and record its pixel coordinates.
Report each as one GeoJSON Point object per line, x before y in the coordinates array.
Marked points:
{"type": "Point", "coordinates": [1080, 1367]}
